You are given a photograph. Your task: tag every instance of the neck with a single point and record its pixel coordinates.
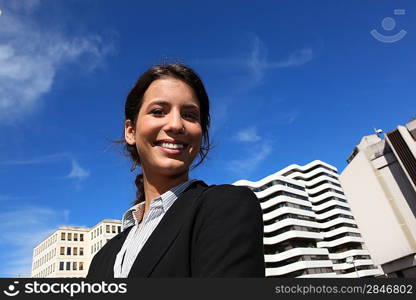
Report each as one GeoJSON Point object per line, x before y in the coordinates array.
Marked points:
{"type": "Point", "coordinates": [156, 185]}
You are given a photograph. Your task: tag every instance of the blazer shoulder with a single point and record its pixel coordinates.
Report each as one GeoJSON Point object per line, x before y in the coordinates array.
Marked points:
{"type": "Point", "coordinates": [229, 191]}
{"type": "Point", "coordinates": [230, 195]}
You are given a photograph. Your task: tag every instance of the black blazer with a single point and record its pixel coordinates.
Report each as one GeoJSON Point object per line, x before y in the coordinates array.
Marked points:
{"type": "Point", "coordinates": [214, 231]}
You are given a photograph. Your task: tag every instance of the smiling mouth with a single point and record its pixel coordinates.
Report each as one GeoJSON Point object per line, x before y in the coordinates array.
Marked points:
{"type": "Point", "coordinates": [173, 146]}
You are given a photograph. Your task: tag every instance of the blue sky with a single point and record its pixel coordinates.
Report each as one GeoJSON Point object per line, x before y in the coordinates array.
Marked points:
{"type": "Point", "coordinates": [289, 82]}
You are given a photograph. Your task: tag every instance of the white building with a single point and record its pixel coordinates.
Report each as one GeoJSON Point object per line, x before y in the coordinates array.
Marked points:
{"type": "Point", "coordinates": [309, 230]}
{"type": "Point", "coordinates": [68, 251]}
{"type": "Point", "coordinates": [380, 183]}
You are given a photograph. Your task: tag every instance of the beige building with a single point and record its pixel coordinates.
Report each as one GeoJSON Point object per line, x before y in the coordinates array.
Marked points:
{"type": "Point", "coordinates": [68, 251]}
{"type": "Point", "coordinates": [380, 183]}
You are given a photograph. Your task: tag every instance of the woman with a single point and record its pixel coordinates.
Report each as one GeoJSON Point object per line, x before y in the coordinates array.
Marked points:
{"type": "Point", "coordinates": [179, 227]}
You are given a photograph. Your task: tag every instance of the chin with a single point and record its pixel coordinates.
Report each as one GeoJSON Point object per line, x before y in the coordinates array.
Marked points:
{"type": "Point", "coordinates": [172, 169]}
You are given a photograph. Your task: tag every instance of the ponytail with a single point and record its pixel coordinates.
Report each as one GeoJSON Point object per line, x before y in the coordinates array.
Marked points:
{"type": "Point", "coordinates": [139, 189]}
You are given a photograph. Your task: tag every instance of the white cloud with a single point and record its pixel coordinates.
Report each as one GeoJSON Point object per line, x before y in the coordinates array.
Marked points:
{"type": "Point", "coordinates": [30, 58]}
{"type": "Point", "coordinates": [244, 167]}
{"type": "Point", "coordinates": [20, 231]}
{"type": "Point", "coordinates": [248, 135]}
{"type": "Point", "coordinates": [259, 63]}
{"type": "Point", "coordinates": [52, 158]}
{"type": "Point", "coordinates": [78, 172]}
{"type": "Point", "coordinates": [9, 198]}
{"type": "Point", "coordinates": [250, 67]}
{"type": "Point", "coordinates": [288, 117]}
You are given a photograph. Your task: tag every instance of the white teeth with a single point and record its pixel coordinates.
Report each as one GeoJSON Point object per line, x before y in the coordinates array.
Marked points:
{"type": "Point", "coordinates": [172, 146]}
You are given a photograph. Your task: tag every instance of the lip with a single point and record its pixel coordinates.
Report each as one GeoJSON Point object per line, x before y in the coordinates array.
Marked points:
{"type": "Point", "coordinates": [171, 151]}
{"type": "Point", "coordinates": [171, 141]}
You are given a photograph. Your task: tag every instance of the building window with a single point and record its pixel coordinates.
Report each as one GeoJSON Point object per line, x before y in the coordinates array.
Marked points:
{"type": "Point", "coordinates": [113, 229]}
{"type": "Point", "coordinates": [101, 230]}
{"type": "Point", "coordinates": [62, 251]}
{"type": "Point", "coordinates": [118, 229]}
{"type": "Point", "coordinates": [92, 235]}
{"type": "Point", "coordinates": [68, 250]}
{"type": "Point", "coordinates": [75, 251]}
{"type": "Point", "coordinates": [74, 266]}
{"type": "Point", "coordinates": [107, 228]}
{"type": "Point", "coordinates": [81, 237]}
{"type": "Point", "coordinates": [81, 251]}
{"type": "Point", "coordinates": [68, 265]}
{"type": "Point", "coordinates": [75, 237]}
{"type": "Point", "coordinates": [61, 266]}
{"type": "Point", "coordinates": [92, 249]}
{"type": "Point", "coordinates": [63, 236]}
{"type": "Point", "coordinates": [81, 266]}
{"type": "Point", "coordinates": [69, 236]}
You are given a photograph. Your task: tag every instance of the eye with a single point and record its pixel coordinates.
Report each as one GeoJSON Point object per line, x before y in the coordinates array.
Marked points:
{"type": "Point", "coordinates": [191, 116]}
{"type": "Point", "coordinates": [158, 112]}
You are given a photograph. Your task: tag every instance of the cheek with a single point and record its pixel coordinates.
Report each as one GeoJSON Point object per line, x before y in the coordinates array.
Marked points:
{"type": "Point", "coordinates": [146, 131]}
{"type": "Point", "coordinates": [197, 137]}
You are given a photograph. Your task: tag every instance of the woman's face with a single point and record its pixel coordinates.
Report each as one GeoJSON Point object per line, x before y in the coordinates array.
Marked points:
{"type": "Point", "coordinates": [167, 133]}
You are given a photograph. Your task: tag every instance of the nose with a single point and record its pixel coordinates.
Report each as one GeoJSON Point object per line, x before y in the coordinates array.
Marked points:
{"type": "Point", "coordinates": [175, 122]}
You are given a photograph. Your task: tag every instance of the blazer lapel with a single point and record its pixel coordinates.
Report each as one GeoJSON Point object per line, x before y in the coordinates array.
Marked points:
{"type": "Point", "coordinates": [110, 259]}
{"type": "Point", "coordinates": [166, 231]}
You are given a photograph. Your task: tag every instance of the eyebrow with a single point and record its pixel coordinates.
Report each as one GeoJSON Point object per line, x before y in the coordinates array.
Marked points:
{"type": "Point", "coordinates": [166, 103]}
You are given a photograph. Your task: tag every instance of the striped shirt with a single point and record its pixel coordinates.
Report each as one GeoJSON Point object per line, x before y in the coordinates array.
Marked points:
{"type": "Point", "coordinates": [143, 227]}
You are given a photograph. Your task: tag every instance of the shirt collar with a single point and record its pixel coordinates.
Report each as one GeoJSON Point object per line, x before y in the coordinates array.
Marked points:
{"type": "Point", "coordinates": [135, 213]}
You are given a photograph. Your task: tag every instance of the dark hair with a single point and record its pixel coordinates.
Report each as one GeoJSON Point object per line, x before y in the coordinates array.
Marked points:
{"type": "Point", "coordinates": [134, 103]}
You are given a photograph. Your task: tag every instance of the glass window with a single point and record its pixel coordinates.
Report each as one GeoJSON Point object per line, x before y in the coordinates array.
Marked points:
{"type": "Point", "coordinates": [101, 230]}
{"type": "Point", "coordinates": [107, 228]}
{"type": "Point", "coordinates": [75, 237]}
{"type": "Point", "coordinates": [69, 236]}
{"type": "Point", "coordinates": [118, 229]}
{"type": "Point", "coordinates": [92, 235]}
{"type": "Point", "coordinates": [81, 237]}
{"type": "Point", "coordinates": [62, 251]}
{"type": "Point", "coordinates": [81, 265]}
{"type": "Point", "coordinates": [81, 251]}
{"type": "Point", "coordinates": [63, 236]}
{"type": "Point", "coordinates": [75, 251]}
{"type": "Point", "coordinates": [74, 266]}
{"type": "Point", "coordinates": [113, 229]}
{"type": "Point", "coordinates": [68, 265]}
{"type": "Point", "coordinates": [68, 250]}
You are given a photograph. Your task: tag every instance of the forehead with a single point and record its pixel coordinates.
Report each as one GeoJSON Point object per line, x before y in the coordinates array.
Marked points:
{"type": "Point", "coordinates": [170, 90]}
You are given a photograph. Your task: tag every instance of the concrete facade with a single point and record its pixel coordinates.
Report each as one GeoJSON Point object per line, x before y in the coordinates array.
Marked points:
{"type": "Point", "coordinates": [309, 230]}
{"type": "Point", "coordinates": [68, 251]}
{"type": "Point", "coordinates": [380, 182]}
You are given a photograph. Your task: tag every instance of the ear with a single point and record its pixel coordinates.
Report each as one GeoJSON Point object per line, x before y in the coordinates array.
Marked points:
{"type": "Point", "coordinates": [129, 132]}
